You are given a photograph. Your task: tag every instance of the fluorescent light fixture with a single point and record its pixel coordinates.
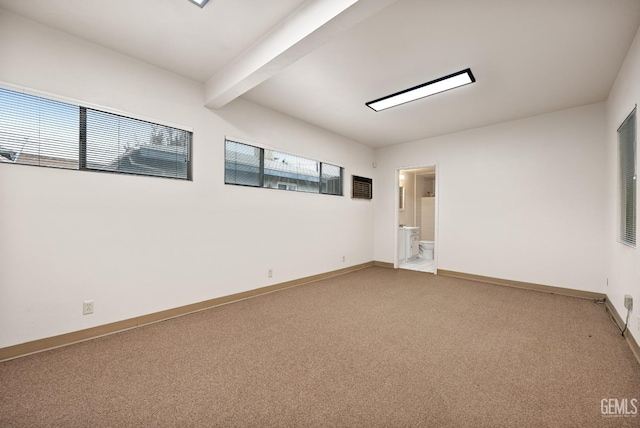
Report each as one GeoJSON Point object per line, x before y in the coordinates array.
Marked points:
{"type": "Point", "coordinates": [442, 84]}
{"type": "Point", "coordinates": [200, 3]}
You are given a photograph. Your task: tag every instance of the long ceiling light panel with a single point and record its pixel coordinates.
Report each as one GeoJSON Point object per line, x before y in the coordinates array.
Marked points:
{"type": "Point", "coordinates": [442, 84]}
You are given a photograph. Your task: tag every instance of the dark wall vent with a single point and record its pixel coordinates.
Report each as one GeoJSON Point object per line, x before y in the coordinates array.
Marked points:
{"type": "Point", "coordinates": [362, 188]}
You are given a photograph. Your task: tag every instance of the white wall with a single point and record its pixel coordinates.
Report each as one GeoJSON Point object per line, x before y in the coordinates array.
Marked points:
{"type": "Point", "coordinates": [623, 267]}
{"type": "Point", "coordinates": [521, 200]}
{"type": "Point", "coordinates": [138, 245]}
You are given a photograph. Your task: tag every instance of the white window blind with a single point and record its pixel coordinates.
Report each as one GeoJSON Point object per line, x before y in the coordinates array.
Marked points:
{"type": "Point", "coordinates": [38, 131]}
{"type": "Point", "coordinates": [43, 132]}
{"type": "Point", "coordinates": [121, 144]}
{"type": "Point", "coordinates": [627, 144]}
{"type": "Point", "coordinates": [242, 164]}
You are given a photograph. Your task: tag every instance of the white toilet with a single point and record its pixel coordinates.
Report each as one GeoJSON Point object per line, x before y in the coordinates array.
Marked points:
{"type": "Point", "coordinates": [426, 250]}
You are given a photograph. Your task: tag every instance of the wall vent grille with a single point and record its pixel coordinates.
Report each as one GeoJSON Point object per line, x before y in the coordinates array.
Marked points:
{"type": "Point", "coordinates": [362, 188]}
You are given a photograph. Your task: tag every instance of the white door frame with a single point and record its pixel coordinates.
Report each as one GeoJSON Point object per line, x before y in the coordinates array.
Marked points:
{"type": "Point", "coordinates": [397, 210]}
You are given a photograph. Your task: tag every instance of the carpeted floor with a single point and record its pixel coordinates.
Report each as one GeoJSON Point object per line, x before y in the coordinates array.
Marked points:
{"type": "Point", "coordinates": [377, 347]}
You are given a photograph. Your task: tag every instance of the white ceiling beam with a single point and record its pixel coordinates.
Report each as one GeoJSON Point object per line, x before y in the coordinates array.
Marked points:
{"type": "Point", "coordinates": [310, 26]}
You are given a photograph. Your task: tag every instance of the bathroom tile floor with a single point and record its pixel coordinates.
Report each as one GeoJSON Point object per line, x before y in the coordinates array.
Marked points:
{"type": "Point", "coordinates": [419, 264]}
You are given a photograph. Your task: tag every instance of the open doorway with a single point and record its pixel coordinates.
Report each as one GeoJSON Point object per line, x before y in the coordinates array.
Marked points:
{"type": "Point", "coordinates": [417, 219]}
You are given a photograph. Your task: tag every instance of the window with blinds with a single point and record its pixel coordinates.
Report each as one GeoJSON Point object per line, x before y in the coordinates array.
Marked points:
{"type": "Point", "coordinates": [243, 164]}
{"type": "Point", "coordinates": [44, 132]}
{"type": "Point", "coordinates": [248, 165]}
{"type": "Point", "coordinates": [38, 131]}
{"type": "Point", "coordinates": [627, 144]}
{"type": "Point", "coordinates": [121, 144]}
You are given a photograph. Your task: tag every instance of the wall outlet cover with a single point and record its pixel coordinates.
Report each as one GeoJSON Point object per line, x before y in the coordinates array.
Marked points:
{"type": "Point", "coordinates": [628, 302]}
{"type": "Point", "coordinates": [87, 307]}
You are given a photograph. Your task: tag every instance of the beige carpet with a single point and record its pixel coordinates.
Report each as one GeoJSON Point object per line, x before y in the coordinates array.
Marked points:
{"type": "Point", "coordinates": [377, 347]}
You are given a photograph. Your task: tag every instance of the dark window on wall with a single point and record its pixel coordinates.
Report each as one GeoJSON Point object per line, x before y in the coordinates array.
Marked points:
{"type": "Point", "coordinates": [43, 132]}
{"type": "Point", "coordinates": [627, 144]}
{"type": "Point", "coordinates": [248, 165]}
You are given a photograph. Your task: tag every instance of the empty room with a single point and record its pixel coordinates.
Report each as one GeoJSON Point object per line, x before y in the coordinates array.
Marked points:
{"type": "Point", "coordinates": [293, 213]}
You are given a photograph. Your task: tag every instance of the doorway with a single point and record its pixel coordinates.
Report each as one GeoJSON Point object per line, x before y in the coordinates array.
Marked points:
{"type": "Point", "coordinates": [416, 219]}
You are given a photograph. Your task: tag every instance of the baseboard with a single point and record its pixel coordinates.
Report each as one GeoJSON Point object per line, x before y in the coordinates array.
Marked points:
{"type": "Point", "coordinates": [23, 349]}
{"type": "Point", "coordinates": [526, 285]}
{"type": "Point", "coordinates": [630, 340]}
{"type": "Point", "coordinates": [383, 264]}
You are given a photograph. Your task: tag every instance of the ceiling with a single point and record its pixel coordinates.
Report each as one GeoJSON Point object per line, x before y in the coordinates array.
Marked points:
{"type": "Point", "coordinates": [321, 60]}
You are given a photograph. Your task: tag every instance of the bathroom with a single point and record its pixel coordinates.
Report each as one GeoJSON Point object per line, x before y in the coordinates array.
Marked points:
{"type": "Point", "coordinates": [417, 219]}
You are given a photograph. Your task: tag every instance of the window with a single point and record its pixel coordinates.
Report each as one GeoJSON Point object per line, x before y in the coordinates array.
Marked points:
{"type": "Point", "coordinates": [627, 142]}
{"type": "Point", "coordinates": [289, 172]}
{"type": "Point", "coordinates": [242, 164]}
{"type": "Point", "coordinates": [331, 178]}
{"type": "Point", "coordinates": [39, 131]}
{"type": "Point", "coordinates": [247, 165]}
{"type": "Point", "coordinates": [121, 144]}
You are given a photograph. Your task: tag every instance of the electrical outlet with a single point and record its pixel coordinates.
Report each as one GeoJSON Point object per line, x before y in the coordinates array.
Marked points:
{"type": "Point", "coordinates": [343, 259]}
{"type": "Point", "coordinates": [628, 302]}
{"type": "Point", "coordinates": [270, 273]}
{"type": "Point", "coordinates": [87, 307]}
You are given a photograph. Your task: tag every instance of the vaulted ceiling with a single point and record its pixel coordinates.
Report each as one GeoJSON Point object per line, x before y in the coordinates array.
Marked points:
{"type": "Point", "coordinates": [321, 60]}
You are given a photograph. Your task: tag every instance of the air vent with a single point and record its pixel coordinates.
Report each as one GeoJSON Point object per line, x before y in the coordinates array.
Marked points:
{"type": "Point", "coordinates": [362, 188]}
